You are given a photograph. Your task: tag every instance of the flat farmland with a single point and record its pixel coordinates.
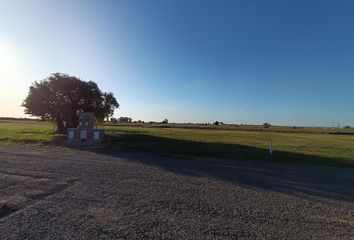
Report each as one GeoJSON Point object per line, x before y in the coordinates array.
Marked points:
{"type": "Point", "coordinates": [25, 132]}
{"type": "Point", "coordinates": [303, 145]}
{"type": "Point", "coordinates": [307, 145]}
{"type": "Point", "coordinates": [176, 182]}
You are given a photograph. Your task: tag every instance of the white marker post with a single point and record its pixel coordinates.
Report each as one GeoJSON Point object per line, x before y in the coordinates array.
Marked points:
{"type": "Point", "coordinates": [270, 147]}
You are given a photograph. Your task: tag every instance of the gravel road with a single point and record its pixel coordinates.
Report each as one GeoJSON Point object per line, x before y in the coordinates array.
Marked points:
{"type": "Point", "coordinates": [61, 193]}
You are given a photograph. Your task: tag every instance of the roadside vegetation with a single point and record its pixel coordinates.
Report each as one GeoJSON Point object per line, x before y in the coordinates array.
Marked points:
{"type": "Point", "coordinates": [306, 145]}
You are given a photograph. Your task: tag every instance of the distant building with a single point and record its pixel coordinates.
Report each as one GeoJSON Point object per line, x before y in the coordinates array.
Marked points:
{"type": "Point", "coordinates": [85, 131]}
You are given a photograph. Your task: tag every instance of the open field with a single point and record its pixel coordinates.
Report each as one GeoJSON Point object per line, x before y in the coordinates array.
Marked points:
{"type": "Point", "coordinates": [52, 189]}
{"type": "Point", "coordinates": [311, 147]}
{"type": "Point", "coordinates": [53, 192]}
{"type": "Point", "coordinates": [22, 132]}
{"type": "Point", "coordinates": [305, 145]}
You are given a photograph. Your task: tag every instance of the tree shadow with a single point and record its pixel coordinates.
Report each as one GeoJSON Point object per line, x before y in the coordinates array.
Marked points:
{"type": "Point", "coordinates": [297, 174]}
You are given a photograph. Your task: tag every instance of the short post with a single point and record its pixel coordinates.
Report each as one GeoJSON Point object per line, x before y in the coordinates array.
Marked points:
{"type": "Point", "coordinates": [270, 147]}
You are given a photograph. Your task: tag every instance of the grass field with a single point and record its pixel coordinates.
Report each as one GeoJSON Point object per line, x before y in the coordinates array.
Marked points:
{"type": "Point", "coordinates": [320, 146]}
{"type": "Point", "coordinates": [25, 132]}
{"type": "Point", "coordinates": [308, 145]}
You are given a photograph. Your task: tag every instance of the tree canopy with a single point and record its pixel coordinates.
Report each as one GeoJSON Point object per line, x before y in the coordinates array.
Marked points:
{"type": "Point", "coordinates": [60, 98]}
{"type": "Point", "coordinates": [125, 120]}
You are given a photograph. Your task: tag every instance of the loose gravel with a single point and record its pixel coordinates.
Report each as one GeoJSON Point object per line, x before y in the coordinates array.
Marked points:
{"type": "Point", "coordinates": [62, 193]}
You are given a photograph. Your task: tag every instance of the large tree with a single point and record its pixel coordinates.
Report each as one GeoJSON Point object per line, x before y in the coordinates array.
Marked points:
{"type": "Point", "coordinates": [60, 97]}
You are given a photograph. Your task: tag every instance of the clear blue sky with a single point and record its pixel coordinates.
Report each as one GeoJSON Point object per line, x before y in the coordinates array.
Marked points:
{"type": "Point", "coordinates": [284, 62]}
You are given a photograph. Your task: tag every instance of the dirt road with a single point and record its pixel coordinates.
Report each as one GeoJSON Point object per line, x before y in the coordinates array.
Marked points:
{"type": "Point", "coordinates": [60, 193]}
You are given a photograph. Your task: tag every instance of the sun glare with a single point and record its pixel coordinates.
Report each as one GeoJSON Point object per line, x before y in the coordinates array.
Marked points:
{"type": "Point", "coordinates": [11, 90]}
{"type": "Point", "coordinates": [7, 60]}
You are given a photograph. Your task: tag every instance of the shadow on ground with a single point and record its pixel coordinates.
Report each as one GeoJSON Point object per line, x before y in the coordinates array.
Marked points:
{"type": "Point", "coordinates": [286, 172]}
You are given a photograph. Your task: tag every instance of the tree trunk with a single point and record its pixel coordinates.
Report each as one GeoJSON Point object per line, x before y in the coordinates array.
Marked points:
{"type": "Point", "coordinates": [60, 126]}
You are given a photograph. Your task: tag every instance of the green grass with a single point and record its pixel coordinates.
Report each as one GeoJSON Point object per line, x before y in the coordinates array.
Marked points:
{"type": "Point", "coordinates": [25, 132]}
{"type": "Point", "coordinates": [310, 147]}
{"type": "Point", "coordinates": [305, 145]}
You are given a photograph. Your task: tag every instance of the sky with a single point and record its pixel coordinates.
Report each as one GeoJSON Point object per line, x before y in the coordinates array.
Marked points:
{"type": "Point", "coordinates": [237, 61]}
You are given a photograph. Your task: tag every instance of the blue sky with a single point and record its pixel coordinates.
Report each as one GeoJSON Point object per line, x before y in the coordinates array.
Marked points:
{"type": "Point", "coordinates": [284, 62]}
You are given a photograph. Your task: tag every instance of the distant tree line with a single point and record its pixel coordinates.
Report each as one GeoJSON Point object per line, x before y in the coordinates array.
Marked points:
{"type": "Point", "coordinates": [267, 125]}
{"type": "Point", "coordinates": [129, 120]}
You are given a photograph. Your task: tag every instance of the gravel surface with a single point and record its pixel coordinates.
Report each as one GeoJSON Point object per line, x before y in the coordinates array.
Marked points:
{"type": "Point", "coordinates": [62, 193]}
